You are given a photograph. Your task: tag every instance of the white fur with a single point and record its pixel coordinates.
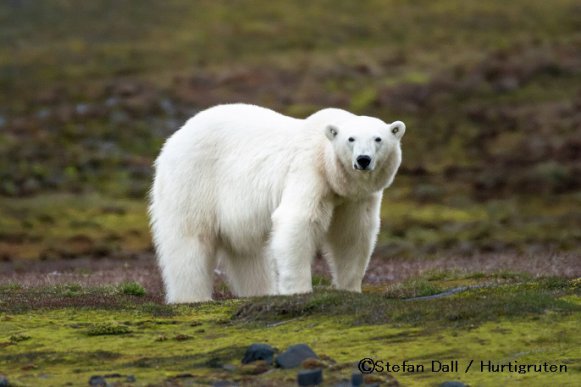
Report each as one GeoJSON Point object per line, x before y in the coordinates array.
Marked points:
{"type": "Point", "coordinates": [262, 193]}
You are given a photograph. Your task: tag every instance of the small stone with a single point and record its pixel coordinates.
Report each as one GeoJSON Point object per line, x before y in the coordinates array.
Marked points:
{"type": "Point", "coordinates": [258, 352]}
{"type": "Point", "coordinates": [4, 381]}
{"type": "Point", "coordinates": [310, 377]}
{"type": "Point", "coordinates": [130, 379]}
{"type": "Point", "coordinates": [453, 383]}
{"type": "Point", "coordinates": [356, 379]}
{"type": "Point", "coordinates": [184, 376]}
{"type": "Point", "coordinates": [97, 380]}
{"type": "Point", "coordinates": [294, 356]}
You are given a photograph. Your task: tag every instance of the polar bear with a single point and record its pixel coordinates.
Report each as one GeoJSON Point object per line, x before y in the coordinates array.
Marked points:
{"type": "Point", "coordinates": [262, 193]}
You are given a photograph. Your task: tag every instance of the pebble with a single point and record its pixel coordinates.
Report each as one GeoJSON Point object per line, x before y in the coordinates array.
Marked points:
{"type": "Point", "coordinates": [294, 356]}
{"type": "Point", "coordinates": [310, 377]}
{"type": "Point", "coordinates": [452, 384]}
{"type": "Point", "coordinates": [258, 352]}
{"type": "Point", "coordinates": [357, 379]}
{"type": "Point", "coordinates": [97, 380]}
{"type": "Point", "coordinates": [4, 381]}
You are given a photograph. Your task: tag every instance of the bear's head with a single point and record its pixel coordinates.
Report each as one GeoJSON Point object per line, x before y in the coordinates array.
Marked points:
{"type": "Point", "coordinates": [368, 149]}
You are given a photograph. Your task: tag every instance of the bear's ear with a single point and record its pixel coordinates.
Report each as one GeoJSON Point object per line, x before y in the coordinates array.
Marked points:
{"type": "Point", "coordinates": [397, 128]}
{"type": "Point", "coordinates": [331, 132]}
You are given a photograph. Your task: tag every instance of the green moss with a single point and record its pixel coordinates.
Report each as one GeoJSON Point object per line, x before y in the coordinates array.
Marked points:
{"type": "Point", "coordinates": [18, 338]}
{"type": "Point", "coordinates": [132, 289]}
{"type": "Point", "coordinates": [68, 226]}
{"type": "Point", "coordinates": [363, 100]}
{"type": "Point", "coordinates": [105, 329]}
{"type": "Point", "coordinates": [338, 326]}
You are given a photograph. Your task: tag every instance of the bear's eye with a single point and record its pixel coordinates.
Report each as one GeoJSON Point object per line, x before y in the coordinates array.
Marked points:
{"type": "Point", "coordinates": [377, 139]}
{"type": "Point", "coordinates": [351, 139]}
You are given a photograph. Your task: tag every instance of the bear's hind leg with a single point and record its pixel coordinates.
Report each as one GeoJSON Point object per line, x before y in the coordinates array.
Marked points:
{"type": "Point", "coordinates": [250, 276]}
{"type": "Point", "coordinates": [187, 266]}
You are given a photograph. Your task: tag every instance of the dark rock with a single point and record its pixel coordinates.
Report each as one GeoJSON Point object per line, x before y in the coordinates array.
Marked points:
{"type": "Point", "coordinates": [258, 352]}
{"type": "Point", "coordinates": [453, 384]}
{"type": "Point", "coordinates": [310, 377]}
{"type": "Point", "coordinates": [4, 381]}
{"type": "Point", "coordinates": [130, 379]}
{"type": "Point", "coordinates": [97, 380]}
{"type": "Point", "coordinates": [294, 356]}
{"type": "Point", "coordinates": [183, 376]}
{"type": "Point", "coordinates": [356, 379]}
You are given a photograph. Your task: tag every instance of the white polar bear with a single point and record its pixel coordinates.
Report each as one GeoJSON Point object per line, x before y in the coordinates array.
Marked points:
{"type": "Point", "coordinates": [263, 192]}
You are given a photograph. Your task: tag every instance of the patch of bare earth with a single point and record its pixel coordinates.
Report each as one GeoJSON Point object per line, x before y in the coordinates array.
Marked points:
{"type": "Point", "coordinates": [91, 273]}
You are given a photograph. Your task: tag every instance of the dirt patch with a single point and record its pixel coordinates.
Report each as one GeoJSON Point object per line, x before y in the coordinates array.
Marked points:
{"type": "Point", "coordinates": [143, 269]}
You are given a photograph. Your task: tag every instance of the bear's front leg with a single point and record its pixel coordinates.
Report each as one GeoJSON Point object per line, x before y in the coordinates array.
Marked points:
{"type": "Point", "coordinates": [350, 241]}
{"type": "Point", "coordinates": [298, 227]}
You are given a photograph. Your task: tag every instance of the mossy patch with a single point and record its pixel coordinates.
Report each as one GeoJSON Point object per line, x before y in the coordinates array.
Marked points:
{"type": "Point", "coordinates": [80, 226]}
{"type": "Point", "coordinates": [204, 343]}
{"type": "Point", "coordinates": [106, 329]}
{"type": "Point", "coordinates": [132, 289]}
{"type": "Point", "coordinates": [469, 308]}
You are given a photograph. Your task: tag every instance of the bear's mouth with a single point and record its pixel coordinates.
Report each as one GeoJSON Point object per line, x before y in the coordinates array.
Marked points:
{"type": "Point", "coordinates": [359, 168]}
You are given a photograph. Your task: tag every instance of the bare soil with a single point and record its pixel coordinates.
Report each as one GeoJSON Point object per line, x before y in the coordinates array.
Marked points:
{"type": "Point", "coordinates": [91, 272]}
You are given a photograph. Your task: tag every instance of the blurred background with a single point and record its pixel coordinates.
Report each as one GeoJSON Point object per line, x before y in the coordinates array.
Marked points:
{"type": "Point", "coordinates": [490, 92]}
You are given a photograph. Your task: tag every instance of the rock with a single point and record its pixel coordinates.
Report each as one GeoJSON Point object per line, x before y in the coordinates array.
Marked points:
{"type": "Point", "coordinates": [4, 381]}
{"type": "Point", "coordinates": [356, 379]}
{"type": "Point", "coordinates": [453, 384]}
{"type": "Point", "coordinates": [130, 379]}
{"type": "Point", "coordinates": [258, 352]}
{"type": "Point", "coordinates": [310, 377]}
{"type": "Point", "coordinates": [97, 380]}
{"type": "Point", "coordinates": [294, 356]}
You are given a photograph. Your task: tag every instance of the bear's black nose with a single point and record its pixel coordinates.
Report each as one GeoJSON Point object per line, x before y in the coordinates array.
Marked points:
{"type": "Point", "coordinates": [363, 161]}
